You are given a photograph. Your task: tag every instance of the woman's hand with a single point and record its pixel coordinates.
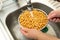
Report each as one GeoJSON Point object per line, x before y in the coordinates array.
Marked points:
{"type": "Point", "coordinates": [54, 16]}
{"type": "Point", "coordinates": [37, 35]}
{"type": "Point", "coordinates": [30, 33]}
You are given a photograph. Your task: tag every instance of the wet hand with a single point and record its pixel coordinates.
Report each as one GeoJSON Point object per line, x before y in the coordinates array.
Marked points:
{"type": "Point", "coordinates": [54, 16]}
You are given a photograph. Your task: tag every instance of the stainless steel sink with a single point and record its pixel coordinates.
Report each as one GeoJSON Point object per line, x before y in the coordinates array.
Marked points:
{"type": "Point", "coordinates": [12, 20]}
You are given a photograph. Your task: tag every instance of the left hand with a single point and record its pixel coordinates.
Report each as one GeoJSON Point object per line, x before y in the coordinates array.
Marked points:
{"type": "Point", "coordinates": [37, 35]}
{"type": "Point", "coordinates": [31, 33]}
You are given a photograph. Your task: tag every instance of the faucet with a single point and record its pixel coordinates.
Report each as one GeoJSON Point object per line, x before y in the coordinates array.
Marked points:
{"type": "Point", "coordinates": [29, 5]}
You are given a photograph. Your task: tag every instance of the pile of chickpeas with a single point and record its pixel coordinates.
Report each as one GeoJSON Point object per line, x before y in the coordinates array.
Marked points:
{"type": "Point", "coordinates": [38, 21]}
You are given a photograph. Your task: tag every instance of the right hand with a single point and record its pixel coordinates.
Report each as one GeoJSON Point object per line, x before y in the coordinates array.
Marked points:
{"type": "Point", "coordinates": [54, 16]}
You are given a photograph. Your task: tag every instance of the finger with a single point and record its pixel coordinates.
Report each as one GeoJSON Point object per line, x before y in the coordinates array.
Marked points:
{"type": "Point", "coordinates": [50, 19]}
{"type": "Point", "coordinates": [34, 30]}
{"type": "Point", "coordinates": [51, 16]}
{"type": "Point", "coordinates": [58, 20]}
{"type": "Point", "coordinates": [23, 32]}
{"type": "Point", "coordinates": [54, 20]}
{"type": "Point", "coordinates": [51, 12]}
{"type": "Point", "coordinates": [25, 29]}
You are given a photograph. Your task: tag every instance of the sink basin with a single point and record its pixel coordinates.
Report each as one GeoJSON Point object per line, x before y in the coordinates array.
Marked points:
{"type": "Point", "coordinates": [14, 28]}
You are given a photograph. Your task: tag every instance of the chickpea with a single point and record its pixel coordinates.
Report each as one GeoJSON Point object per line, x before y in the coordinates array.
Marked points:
{"type": "Point", "coordinates": [38, 21]}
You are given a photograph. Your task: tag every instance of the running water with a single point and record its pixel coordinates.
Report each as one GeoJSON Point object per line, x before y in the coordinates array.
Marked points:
{"type": "Point", "coordinates": [30, 7]}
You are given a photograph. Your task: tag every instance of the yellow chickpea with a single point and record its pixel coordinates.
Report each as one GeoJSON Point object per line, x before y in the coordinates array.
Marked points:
{"type": "Point", "coordinates": [38, 21]}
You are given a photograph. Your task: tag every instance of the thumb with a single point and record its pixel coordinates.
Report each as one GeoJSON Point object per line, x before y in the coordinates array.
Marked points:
{"type": "Point", "coordinates": [23, 32]}
{"type": "Point", "coordinates": [25, 29]}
